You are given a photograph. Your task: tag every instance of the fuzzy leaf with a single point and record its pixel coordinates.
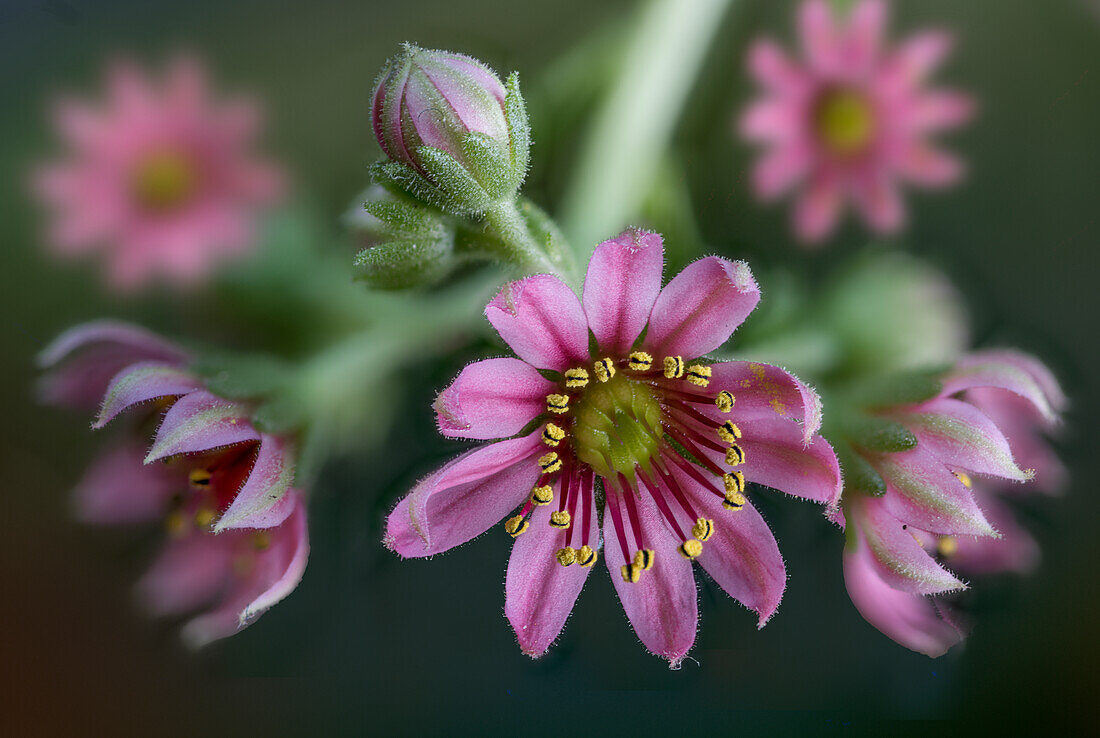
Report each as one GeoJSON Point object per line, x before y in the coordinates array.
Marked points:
{"type": "Point", "coordinates": [404, 264]}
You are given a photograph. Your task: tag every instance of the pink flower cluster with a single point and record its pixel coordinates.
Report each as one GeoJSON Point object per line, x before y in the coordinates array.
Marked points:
{"type": "Point", "coordinates": [236, 529]}
{"type": "Point", "coordinates": [159, 178]}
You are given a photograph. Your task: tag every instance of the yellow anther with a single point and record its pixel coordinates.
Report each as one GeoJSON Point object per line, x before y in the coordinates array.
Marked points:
{"type": "Point", "coordinates": [644, 558]}
{"type": "Point", "coordinates": [552, 434]}
{"type": "Point", "coordinates": [965, 479]}
{"type": "Point", "coordinates": [176, 524]}
{"type": "Point", "coordinates": [604, 369]}
{"type": "Point", "coordinates": [261, 540]}
{"type": "Point", "coordinates": [557, 403]}
{"type": "Point", "coordinates": [566, 556]}
{"type": "Point", "coordinates": [631, 573]}
{"type": "Point", "coordinates": [576, 378]}
{"type": "Point", "coordinates": [703, 528]}
{"type": "Point", "coordinates": [586, 556]}
{"type": "Point", "coordinates": [543, 495]}
{"type": "Point", "coordinates": [199, 477]}
{"type": "Point", "coordinates": [734, 501]}
{"type": "Point", "coordinates": [729, 432]}
{"type": "Point", "coordinates": [698, 374]}
{"type": "Point", "coordinates": [550, 463]}
{"type": "Point", "coordinates": [735, 455]}
{"type": "Point", "coordinates": [559, 519]}
{"type": "Point", "coordinates": [724, 401]}
{"type": "Point", "coordinates": [205, 516]}
{"type": "Point", "coordinates": [674, 367]}
{"type": "Point", "coordinates": [947, 545]}
{"type": "Point", "coordinates": [734, 482]}
{"type": "Point", "coordinates": [691, 548]}
{"type": "Point", "coordinates": [640, 361]}
{"type": "Point", "coordinates": [515, 526]}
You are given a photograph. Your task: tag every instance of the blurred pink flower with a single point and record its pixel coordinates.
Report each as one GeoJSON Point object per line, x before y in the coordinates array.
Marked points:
{"type": "Point", "coordinates": [237, 537]}
{"type": "Point", "coordinates": [932, 513]}
{"type": "Point", "coordinates": [851, 118]}
{"type": "Point", "coordinates": [623, 412]}
{"type": "Point", "coordinates": [160, 177]}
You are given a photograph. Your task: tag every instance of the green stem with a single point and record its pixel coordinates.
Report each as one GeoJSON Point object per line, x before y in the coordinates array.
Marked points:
{"type": "Point", "coordinates": [620, 155]}
{"type": "Point", "coordinates": [521, 248]}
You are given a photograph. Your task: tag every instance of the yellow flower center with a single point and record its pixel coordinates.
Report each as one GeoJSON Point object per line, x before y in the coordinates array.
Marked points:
{"type": "Point", "coordinates": [845, 121]}
{"type": "Point", "coordinates": [163, 181]}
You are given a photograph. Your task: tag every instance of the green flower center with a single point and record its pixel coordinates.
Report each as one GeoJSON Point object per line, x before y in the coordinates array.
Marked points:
{"type": "Point", "coordinates": [163, 181]}
{"type": "Point", "coordinates": [845, 121]}
{"type": "Point", "coordinates": [617, 426]}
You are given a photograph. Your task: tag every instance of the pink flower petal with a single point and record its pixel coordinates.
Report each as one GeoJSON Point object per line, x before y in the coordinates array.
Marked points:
{"type": "Point", "coordinates": [763, 391]}
{"type": "Point", "coordinates": [924, 493]}
{"type": "Point", "coordinates": [741, 555]}
{"type": "Point", "coordinates": [899, 559]}
{"type": "Point", "coordinates": [541, 319]}
{"type": "Point", "coordinates": [915, 57]}
{"type": "Point", "coordinates": [540, 591]}
{"type": "Point", "coordinates": [819, 37]}
{"type": "Point", "coordinates": [1020, 423]}
{"type": "Point", "coordinates": [961, 436]}
{"type": "Point", "coordinates": [911, 620]}
{"type": "Point", "coordinates": [772, 120]}
{"type": "Point", "coordinates": [1004, 370]}
{"type": "Point", "coordinates": [189, 573]}
{"type": "Point", "coordinates": [777, 456]}
{"type": "Point", "coordinates": [200, 422]}
{"type": "Point", "coordinates": [662, 605]}
{"type": "Point", "coordinates": [117, 488]}
{"type": "Point", "coordinates": [623, 281]}
{"type": "Point", "coordinates": [143, 382]}
{"type": "Point", "coordinates": [1015, 550]}
{"type": "Point", "coordinates": [878, 200]}
{"type": "Point", "coordinates": [263, 501]}
{"type": "Point", "coordinates": [701, 307]}
{"type": "Point", "coordinates": [773, 69]}
{"type": "Point", "coordinates": [494, 398]}
{"type": "Point", "coordinates": [938, 110]}
{"type": "Point", "coordinates": [464, 498]}
{"type": "Point", "coordinates": [817, 209]}
{"type": "Point", "coordinates": [85, 358]}
{"type": "Point", "coordinates": [929, 166]}
{"type": "Point", "coordinates": [863, 37]}
{"type": "Point", "coordinates": [270, 576]}
{"type": "Point", "coordinates": [777, 171]}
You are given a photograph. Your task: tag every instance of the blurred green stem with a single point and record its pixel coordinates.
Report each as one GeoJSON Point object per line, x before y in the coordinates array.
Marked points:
{"type": "Point", "coordinates": [621, 153]}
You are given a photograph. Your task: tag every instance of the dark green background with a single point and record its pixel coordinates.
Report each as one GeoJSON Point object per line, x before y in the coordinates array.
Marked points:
{"type": "Point", "coordinates": [370, 643]}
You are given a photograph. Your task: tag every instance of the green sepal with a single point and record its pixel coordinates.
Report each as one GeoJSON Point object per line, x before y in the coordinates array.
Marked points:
{"type": "Point", "coordinates": [515, 112]}
{"type": "Point", "coordinates": [458, 192]}
{"type": "Point", "coordinates": [879, 434]}
{"type": "Point", "coordinates": [401, 179]}
{"type": "Point", "coordinates": [405, 263]}
{"type": "Point", "coordinates": [547, 233]}
{"type": "Point", "coordinates": [859, 476]}
{"type": "Point", "coordinates": [280, 415]}
{"type": "Point", "coordinates": [406, 217]}
{"type": "Point", "coordinates": [490, 165]}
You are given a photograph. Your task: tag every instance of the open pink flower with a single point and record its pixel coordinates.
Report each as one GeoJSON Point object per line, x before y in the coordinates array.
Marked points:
{"type": "Point", "coordinates": [929, 515]}
{"type": "Point", "coordinates": [237, 532]}
{"type": "Point", "coordinates": [627, 397]}
{"type": "Point", "coordinates": [851, 118]}
{"type": "Point", "coordinates": [160, 178]}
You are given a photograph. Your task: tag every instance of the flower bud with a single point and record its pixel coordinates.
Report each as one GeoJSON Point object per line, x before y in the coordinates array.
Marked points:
{"type": "Point", "coordinates": [455, 135]}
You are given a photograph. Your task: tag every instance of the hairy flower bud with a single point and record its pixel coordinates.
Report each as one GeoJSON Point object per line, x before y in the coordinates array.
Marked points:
{"type": "Point", "coordinates": [455, 135]}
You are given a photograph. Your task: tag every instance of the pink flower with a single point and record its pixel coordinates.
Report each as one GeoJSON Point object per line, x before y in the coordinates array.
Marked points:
{"type": "Point", "coordinates": [159, 178]}
{"type": "Point", "coordinates": [606, 434]}
{"type": "Point", "coordinates": [929, 514]}
{"type": "Point", "coordinates": [237, 537]}
{"type": "Point", "coordinates": [851, 118]}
